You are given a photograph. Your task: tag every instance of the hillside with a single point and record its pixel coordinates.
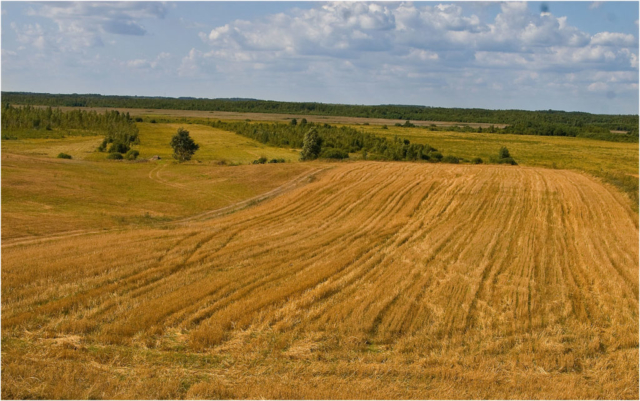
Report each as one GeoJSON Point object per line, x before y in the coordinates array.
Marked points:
{"type": "Point", "coordinates": [375, 280]}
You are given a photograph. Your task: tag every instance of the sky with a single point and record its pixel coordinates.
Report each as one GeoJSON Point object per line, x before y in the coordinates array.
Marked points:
{"type": "Point", "coordinates": [573, 56]}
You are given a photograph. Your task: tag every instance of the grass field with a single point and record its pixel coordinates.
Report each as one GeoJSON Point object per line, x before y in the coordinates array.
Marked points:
{"type": "Point", "coordinates": [45, 196]}
{"type": "Point", "coordinates": [318, 280]}
{"type": "Point", "coordinates": [541, 151]}
{"type": "Point", "coordinates": [369, 282]}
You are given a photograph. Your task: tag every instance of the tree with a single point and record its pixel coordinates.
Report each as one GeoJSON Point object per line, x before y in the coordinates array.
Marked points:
{"type": "Point", "coordinates": [504, 153]}
{"type": "Point", "coordinates": [294, 122]}
{"type": "Point", "coordinates": [311, 145]}
{"type": "Point", "coordinates": [183, 146]}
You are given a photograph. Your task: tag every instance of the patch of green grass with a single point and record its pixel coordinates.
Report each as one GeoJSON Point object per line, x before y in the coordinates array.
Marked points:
{"type": "Point", "coordinates": [215, 144]}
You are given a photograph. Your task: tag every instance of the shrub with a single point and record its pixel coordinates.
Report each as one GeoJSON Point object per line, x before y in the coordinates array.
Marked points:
{"type": "Point", "coordinates": [152, 121]}
{"type": "Point", "coordinates": [504, 153]}
{"type": "Point", "coordinates": [119, 147]}
{"type": "Point", "coordinates": [63, 156]}
{"type": "Point", "coordinates": [450, 159]}
{"type": "Point", "coordinates": [138, 119]}
{"type": "Point", "coordinates": [114, 156]}
{"type": "Point", "coordinates": [276, 161]}
{"type": "Point", "coordinates": [132, 154]}
{"type": "Point", "coordinates": [261, 160]}
{"type": "Point", "coordinates": [332, 153]}
{"type": "Point", "coordinates": [385, 127]}
{"type": "Point", "coordinates": [435, 155]}
{"type": "Point", "coordinates": [476, 160]}
{"type": "Point", "coordinates": [508, 160]}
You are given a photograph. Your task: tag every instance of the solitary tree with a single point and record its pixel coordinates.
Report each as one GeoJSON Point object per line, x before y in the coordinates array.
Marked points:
{"type": "Point", "coordinates": [311, 145]}
{"type": "Point", "coordinates": [504, 153]}
{"type": "Point", "coordinates": [183, 146]}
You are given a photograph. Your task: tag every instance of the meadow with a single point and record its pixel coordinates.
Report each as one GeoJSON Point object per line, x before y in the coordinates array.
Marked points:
{"type": "Point", "coordinates": [218, 278]}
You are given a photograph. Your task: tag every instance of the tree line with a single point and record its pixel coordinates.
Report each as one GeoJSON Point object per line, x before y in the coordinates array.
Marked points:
{"type": "Point", "coordinates": [539, 120]}
{"type": "Point", "coordinates": [118, 128]}
{"type": "Point", "coordinates": [332, 141]}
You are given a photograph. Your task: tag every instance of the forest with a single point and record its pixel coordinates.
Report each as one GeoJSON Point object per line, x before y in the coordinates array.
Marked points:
{"type": "Point", "coordinates": [543, 122]}
{"type": "Point", "coordinates": [36, 122]}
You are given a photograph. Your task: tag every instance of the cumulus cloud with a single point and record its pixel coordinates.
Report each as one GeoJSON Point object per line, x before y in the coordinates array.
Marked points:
{"type": "Point", "coordinates": [516, 38]}
{"type": "Point", "coordinates": [82, 24]}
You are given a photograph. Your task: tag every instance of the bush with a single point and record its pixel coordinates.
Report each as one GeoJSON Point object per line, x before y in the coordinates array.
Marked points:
{"type": "Point", "coordinates": [385, 127]}
{"type": "Point", "coordinates": [64, 156]}
{"type": "Point", "coordinates": [114, 156]}
{"type": "Point", "coordinates": [138, 119]}
{"type": "Point", "coordinates": [119, 147]}
{"type": "Point", "coordinates": [132, 154]}
{"type": "Point", "coordinates": [261, 160]}
{"type": "Point", "coordinates": [476, 160]}
{"type": "Point", "coordinates": [276, 161]}
{"type": "Point", "coordinates": [450, 159]}
{"type": "Point", "coordinates": [435, 155]}
{"type": "Point", "coordinates": [152, 121]}
{"type": "Point", "coordinates": [332, 153]}
{"type": "Point", "coordinates": [508, 160]}
{"type": "Point", "coordinates": [504, 153]}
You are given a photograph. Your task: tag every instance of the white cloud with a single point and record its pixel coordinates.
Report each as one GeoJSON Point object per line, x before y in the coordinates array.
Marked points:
{"type": "Point", "coordinates": [595, 4]}
{"type": "Point", "coordinates": [83, 24]}
{"type": "Point", "coordinates": [614, 39]}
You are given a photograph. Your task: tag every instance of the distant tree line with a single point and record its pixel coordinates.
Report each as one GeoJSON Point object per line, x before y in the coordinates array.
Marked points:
{"type": "Point", "coordinates": [536, 122]}
{"type": "Point", "coordinates": [118, 128]}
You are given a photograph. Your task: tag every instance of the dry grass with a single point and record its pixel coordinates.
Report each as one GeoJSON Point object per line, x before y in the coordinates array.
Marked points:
{"type": "Point", "coordinates": [377, 280]}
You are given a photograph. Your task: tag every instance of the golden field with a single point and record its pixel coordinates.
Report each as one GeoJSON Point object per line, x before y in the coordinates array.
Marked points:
{"type": "Point", "coordinates": [222, 279]}
{"type": "Point", "coordinates": [369, 280]}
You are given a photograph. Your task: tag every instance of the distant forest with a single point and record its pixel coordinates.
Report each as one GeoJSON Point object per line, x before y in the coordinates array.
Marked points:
{"type": "Point", "coordinates": [545, 122]}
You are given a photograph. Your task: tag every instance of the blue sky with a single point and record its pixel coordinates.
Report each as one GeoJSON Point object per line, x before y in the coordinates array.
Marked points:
{"type": "Point", "coordinates": [538, 55]}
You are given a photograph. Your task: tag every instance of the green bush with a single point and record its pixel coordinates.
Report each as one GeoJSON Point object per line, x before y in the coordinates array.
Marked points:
{"type": "Point", "coordinates": [504, 153]}
{"type": "Point", "coordinates": [132, 154]}
{"type": "Point", "coordinates": [64, 156]}
{"type": "Point", "coordinates": [435, 155]}
{"type": "Point", "coordinates": [119, 147]}
{"type": "Point", "coordinates": [476, 160]}
{"type": "Point", "coordinates": [450, 159]}
{"type": "Point", "coordinates": [114, 156]}
{"type": "Point", "coordinates": [261, 160]}
{"type": "Point", "coordinates": [332, 153]}
{"type": "Point", "coordinates": [276, 161]}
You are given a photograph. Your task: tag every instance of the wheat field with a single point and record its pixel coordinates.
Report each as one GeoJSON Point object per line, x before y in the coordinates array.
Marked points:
{"type": "Point", "coordinates": [372, 280]}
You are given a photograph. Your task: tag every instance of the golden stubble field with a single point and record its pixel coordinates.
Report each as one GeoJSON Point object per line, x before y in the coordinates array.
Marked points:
{"type": "Point", "coordinates": [373, 280]}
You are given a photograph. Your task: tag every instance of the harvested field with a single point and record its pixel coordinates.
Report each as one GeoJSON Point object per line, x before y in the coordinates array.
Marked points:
{"type": "Point", "coordinates": [384, 280]}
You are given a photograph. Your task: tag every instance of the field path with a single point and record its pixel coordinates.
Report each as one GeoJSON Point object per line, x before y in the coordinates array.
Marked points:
{"type": "Point", "coordinates": [199, 217]}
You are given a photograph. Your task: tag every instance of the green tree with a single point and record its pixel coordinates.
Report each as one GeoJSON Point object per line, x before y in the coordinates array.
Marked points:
{"type": "Point", "coordinates": [311, 145]}
{"type": "Point", "coordinates": [504, 153]}
{"type": "Point", "coordinates": [183, 146]}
